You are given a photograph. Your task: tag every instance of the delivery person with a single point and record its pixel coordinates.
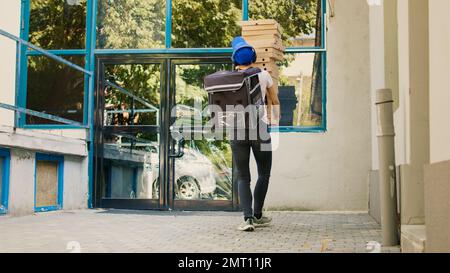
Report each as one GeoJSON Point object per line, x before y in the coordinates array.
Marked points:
{"type": "Point", "coordinates": [244, 55]}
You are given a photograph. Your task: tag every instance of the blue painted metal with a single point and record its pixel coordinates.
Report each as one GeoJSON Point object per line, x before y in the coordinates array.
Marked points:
{"type": "Point", "coordinates": [109, 182]}
{"type": "Point", "coordinates": [44, 52]}
{"type": "Point", "coordinates": [60, 161]}
{"type": "Point", "coordinates": [304, 50]}
{"type": "Point", "coordinates": [90, 45]}
{"type": "Point", "coordinates": [135, 182]}
{"type": "Point", "coordinates": [4, 196]}
{"type": "Point", "coordinates": [324, 24]}
{"type": "Point", "coordinates": [297, 129]}
{"type": "Point", "coordinates": [245, 10]}
{"type": "Point", "coordinates": [205, 51]}
{"type": "Point", "coordinates": [58, 52]}
{"type": "Point", "coordinates": [21, 98]}
{"type": "Point", "coordinates": [91, 52]}
{"type": "Point", "coordinates": [91, 97]}
{"type": "Point", "coordinates": [52, 127]}
{"type": "Point", "coordinates": [324, 91]}
{"type": "Point", "coordinates": [54, 54]}
{"type": "Point", "coordinates": [130, 94]}
{"type": "Point", "coordinates": [42, 115]}
{"type": "Point", "coordinates": [168, 41]}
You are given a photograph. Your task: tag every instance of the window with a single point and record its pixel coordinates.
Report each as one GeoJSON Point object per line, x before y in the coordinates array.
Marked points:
{"type": "Point", "coordinates": [302, 73]}
{"type": "Point", "coordinates": [59, 93]}
{"type": "Point", "coordinates": [58, 24]}
{"type": "Point", "coordinates": [4, 179]}
{"type": "Point", "coordinates": [74, 29]}
{"type": "Point", "coordinates": [205, 23]}
{"type": "Point", "coordinates": [131, 24]}
{"type": "Point", "coordinates": [301, 20]}
{"type": "Point", "coordinates": [300, 90]}
{"type": "Point", "coordinates": [49, 176]}
{"type": "Point", "coordinates": [47, 85]}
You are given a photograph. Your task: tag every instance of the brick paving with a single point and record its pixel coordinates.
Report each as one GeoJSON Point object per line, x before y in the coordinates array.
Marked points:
{"type": "Point", "coordinates": [175, 231]}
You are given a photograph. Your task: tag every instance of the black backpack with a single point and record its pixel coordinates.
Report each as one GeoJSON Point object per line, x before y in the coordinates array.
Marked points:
{"type": "Point", "coordinates": [235, 89]}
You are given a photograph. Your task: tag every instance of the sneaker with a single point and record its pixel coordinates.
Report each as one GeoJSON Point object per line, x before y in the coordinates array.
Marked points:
{"type": "Point", "coordinates": [247, 225]}
{"type": "Point", "coordinates": [262, 222]}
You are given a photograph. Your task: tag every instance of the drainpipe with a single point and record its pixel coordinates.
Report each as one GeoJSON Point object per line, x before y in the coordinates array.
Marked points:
{"type": "Point", "coordinates": [387, 177]}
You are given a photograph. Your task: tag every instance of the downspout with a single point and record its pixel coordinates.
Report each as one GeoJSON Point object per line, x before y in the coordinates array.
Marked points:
{"type": "Point", "coordinates": [387, 178]}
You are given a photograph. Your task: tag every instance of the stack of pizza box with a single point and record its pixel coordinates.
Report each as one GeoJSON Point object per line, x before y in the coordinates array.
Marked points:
{"type": "Point", "coordinates": [265, 37]}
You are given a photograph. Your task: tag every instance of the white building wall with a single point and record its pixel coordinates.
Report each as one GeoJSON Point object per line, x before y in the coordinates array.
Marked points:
{"type": "Point", "coordinates": [437, 173]}
{"type": "Point", "coordinates": [329, 171]}
{"type": "Point", "coordinates": [25, 143]}
{"type": "Point", "coordinates": [9, 21]}
{"type": "Point", "coordinates": [75, 191]}
{"type": "Point", "coordinates": [21, 182]}
{"type": "Point", "coordinates": [439, 80]}
{"type": "Point", "coordinates": [376, 68]}
{"type": "Point", "coordinates": [10, 15]}
{"type": "Point", "coordinates": [401, 115]}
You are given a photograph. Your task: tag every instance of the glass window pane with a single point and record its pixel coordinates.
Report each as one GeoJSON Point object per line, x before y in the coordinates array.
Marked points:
{"type": "Point", "coordinates": [1, 179]}
{"type": "Point", "coordinates": [131, 166]}
{"type": "Point", "coordinates": [300, 89]}
{"type": "Point", "coordinates": [55, 88]}
{"type": "Point", "coordinates": [46, 183]}
{"type": "Point", "coordinates": [205, 23]}
{"type": "Point", "coordinates": [134, 98]}
{"type": "Point", "coordinates": [58, 24]}
{"type": "Point", "coordinates": [131, 159]}
{"type": "Point", "coordinates": [131, 24]}
{"type": "Point", "coordinates": [300, 19]}
{"type": "Point", "coordinates": [204, 172]}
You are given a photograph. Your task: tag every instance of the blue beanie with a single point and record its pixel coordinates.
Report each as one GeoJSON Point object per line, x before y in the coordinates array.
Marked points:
{"type": "Point", "coordinates": [243, 53]}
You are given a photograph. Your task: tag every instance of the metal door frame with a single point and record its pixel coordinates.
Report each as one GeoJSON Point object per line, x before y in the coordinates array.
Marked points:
{"type": "Point", "coordinates": [166, 199]}
{"type": "Point", "coordinates": [208, 205]}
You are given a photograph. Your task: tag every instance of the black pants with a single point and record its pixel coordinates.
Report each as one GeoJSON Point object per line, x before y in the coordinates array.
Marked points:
{"type": "Point", "coordinates": [241, 159]}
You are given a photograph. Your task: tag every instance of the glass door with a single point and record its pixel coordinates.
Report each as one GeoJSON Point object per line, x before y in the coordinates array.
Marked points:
{"type": "Point", "coordinates": [130, 155]}
{"type": "Point", "coordinates": [201, 176]}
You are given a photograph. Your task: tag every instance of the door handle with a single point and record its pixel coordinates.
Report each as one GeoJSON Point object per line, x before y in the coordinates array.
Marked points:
{"type": "Point", "coordinates": [179, 152]}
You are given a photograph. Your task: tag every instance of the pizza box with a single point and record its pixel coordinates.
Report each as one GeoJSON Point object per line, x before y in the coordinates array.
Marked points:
{"type": "Point", "coordinates": [251, 32]}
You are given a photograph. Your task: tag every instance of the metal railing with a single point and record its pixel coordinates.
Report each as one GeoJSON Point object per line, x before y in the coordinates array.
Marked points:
{"type": "Point", "coordinates": [22, 110]}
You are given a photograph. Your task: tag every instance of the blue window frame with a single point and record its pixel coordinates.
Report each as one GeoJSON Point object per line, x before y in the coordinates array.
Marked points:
{"type": "Point", "coordinates": [59, 162]}
{"type": "Point", "coordinates": [90, 51]}
{"type": "Point", "coordinates": [83, 54]}
{"type": "Point", "coordinates": [5, 160]}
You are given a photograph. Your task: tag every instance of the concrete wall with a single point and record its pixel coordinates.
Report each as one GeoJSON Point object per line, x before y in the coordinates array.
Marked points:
{"type": "Point", "coordinates": [439, 80]}
{"type": "Point", "coordinates": [437, 207]}
{"type": "Point", "coordinates": [75, 183]}
{"type": "Point", "coordinates": [330, 171]}
{"type": "Point", "coordinates": [412, 177]}
{"type": "Point", "coordinates": [9, 21]}
{"type": "Point", "coordinates": [22, 182]}
{"type": "Point", "coordinates": [10, 14]}
{"type": "Point", "coordinates": [437, 174]}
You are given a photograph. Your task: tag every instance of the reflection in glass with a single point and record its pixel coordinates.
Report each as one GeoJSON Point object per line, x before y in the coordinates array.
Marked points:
{"type": "Point", "coordinates": [55, 88]}
{"type": "Point", "coordinates": [300, 90]}
{"type": "Point", "coordinates": [130, 166]}
{"type": "Point", "coordinates": [132, 94]}
{"type": "Point", "coordinates": [131, 24]}
{"type": "Point", "coordinates": [205, 23]}
{"type": "Point", "coordinates": [301, 20]}
{"type": "Point", "coordinates": [204, 172]}
{"type": "Point", "coordinates": [58, 24]}
{"type": "Point", "coordinates": [131, 159]}
{"type": "Point", "coordinates": [1, 180]}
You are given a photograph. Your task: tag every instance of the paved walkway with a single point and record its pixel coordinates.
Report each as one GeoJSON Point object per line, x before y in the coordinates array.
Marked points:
{"type": "Point", "coordinates": [151, 231]}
